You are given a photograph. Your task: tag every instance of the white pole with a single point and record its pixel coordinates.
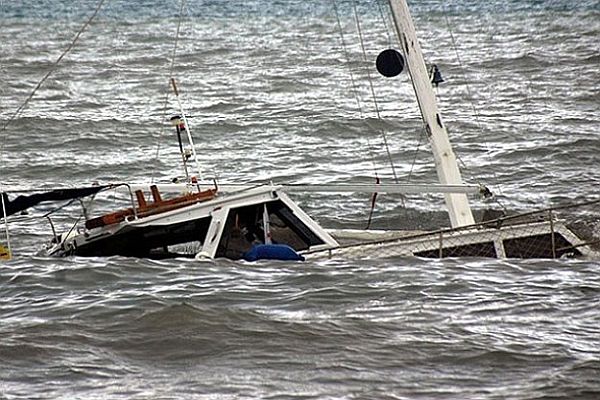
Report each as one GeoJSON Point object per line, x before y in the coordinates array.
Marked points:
{"type": "Point", "coordinates": [187, 130]}
{"type": "Point", "coordinates": [6, 224]}
{"type": "Point", "coordinates": [266, 225]}
{"type": "Point", "coordinates": [445, 160]}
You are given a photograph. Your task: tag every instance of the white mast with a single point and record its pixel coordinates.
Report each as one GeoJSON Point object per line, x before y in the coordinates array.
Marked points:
{"type": "Point", "coordinates": [187, 130]}
{"type": "Point", "coordinates": [445, 160]}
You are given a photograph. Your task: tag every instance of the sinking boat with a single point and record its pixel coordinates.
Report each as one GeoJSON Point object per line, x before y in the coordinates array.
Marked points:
{"type": "Point", "coordinates": [263, 222]}
{"type": "Point", "coordinates": [235, 225]}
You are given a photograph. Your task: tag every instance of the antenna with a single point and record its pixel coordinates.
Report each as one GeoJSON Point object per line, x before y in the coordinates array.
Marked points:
{"type": "Point", "coordinates": [189, 135]}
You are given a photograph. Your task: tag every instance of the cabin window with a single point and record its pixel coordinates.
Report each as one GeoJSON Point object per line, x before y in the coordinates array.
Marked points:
{"type": "Point", "coordinates": [180, 240]}
{"type": "Point", "coordinates": [244, 228]}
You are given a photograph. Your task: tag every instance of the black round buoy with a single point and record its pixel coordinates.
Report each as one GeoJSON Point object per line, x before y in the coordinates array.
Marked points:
{"type": "Point", "coordinates": [390, 63]}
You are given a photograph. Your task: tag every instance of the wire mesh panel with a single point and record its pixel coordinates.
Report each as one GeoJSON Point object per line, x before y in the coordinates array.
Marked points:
{"type": "Point", "coordinates": [540, 234]}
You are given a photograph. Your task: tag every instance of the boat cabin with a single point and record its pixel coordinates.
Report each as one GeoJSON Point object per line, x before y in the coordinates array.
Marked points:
{"type": "Point", "coordinates": [198, 225]}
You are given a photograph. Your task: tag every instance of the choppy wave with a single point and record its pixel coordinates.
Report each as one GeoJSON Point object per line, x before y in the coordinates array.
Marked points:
{"type": "Point", "coordinates": [401, 328]}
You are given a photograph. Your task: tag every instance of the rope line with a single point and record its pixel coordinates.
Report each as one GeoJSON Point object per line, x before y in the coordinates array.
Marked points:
{"type": "Point", "coordinates": [385, 22]}
{"type": "Point", "coordinates": [364, 52]}
{"type": "Point", "coordinates": [475, 112]}
{"type": "Point", "coordinates": [470, 94]}
{"type": "Point", "coordinates": [168, 91]}
{"type": "Point", "coordinates": [354, 86]}
{"type": "Point", "coordinates": [414, 162]}
{"type": "Point", "coordinates": [53, 67]}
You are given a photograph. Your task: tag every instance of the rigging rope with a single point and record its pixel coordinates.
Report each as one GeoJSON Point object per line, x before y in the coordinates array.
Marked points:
{"type": "Point", "coordinates": [166, 101]}
{"type": "Point", "coordinates": [357, 98]}
{"type": "Point", "coordinates": [385, 22]}
{"type": "Point", "coordinates": [354, 85]}
{"type": "Point", "coordinates": [470, 95]}
{"type": "Point", "coordinates": [52, 68]}
{"type": "Point", "coordinates": [414, 162]}
{"type": "Point", "coordinates": [364, 52]}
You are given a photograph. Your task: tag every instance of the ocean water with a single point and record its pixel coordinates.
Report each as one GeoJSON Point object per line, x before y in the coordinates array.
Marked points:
{"type": "Point", "coordinates": [269, 91]}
